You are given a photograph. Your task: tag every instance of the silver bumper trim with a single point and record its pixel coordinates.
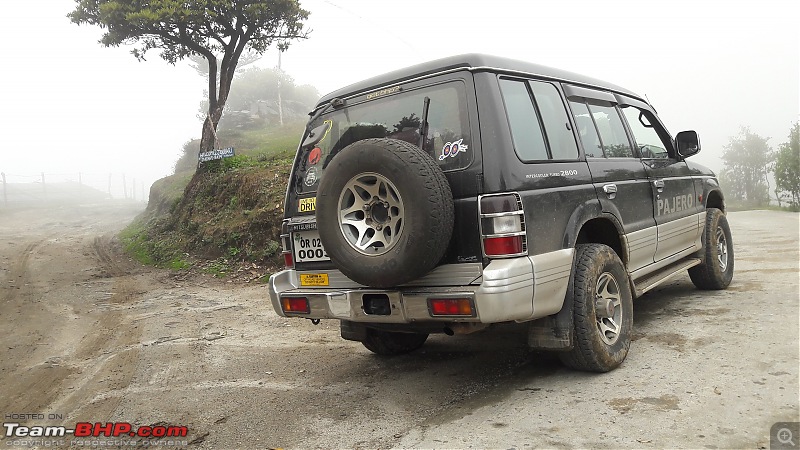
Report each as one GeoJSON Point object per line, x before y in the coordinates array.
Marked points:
{"type": "Point", "coordinates": [514, 289]}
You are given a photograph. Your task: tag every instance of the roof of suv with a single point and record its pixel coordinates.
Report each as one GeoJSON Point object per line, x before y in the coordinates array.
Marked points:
{"type": "Point", "coordinates": [474, 62]}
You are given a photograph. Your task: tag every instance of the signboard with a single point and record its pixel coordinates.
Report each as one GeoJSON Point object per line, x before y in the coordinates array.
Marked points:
{"type": "Point", "coordinates": [215, 154]}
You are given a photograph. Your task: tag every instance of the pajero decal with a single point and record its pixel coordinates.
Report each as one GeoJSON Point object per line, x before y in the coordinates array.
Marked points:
{"type": "Point", "coordinates": [671, 205]}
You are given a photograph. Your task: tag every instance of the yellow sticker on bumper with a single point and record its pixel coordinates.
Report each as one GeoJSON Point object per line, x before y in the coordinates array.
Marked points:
{"type": "Point", "coordinates": [307, 204]}
{"type": "Point", "coordinates": [313, 279]}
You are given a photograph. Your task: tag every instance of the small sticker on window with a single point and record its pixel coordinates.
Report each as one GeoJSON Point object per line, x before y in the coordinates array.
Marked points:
{"type": "Point", "coordinates": [452, 149]}
{"type": "Point", "coordinates": [311, 176]}
{"type": "Point", "coordinates": [307, 204]}
{"type": "Point", "coordinates": [314, 156]}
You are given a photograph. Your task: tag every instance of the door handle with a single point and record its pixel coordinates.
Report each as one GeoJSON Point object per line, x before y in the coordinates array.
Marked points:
{"type": "Point", "coordinates": [659, 185]}
{"type": "Point", "coordinates": [610, 190]}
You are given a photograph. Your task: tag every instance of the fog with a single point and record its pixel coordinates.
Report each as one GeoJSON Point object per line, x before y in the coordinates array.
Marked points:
{"type": "Point", "coordinates": [73, 106]}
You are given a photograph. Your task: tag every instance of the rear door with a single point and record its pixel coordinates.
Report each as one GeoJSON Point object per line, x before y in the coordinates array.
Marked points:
{"type": "Point", "coordinates": [619, 176]}
{"type": "Point", "coordinates": [394, 113]}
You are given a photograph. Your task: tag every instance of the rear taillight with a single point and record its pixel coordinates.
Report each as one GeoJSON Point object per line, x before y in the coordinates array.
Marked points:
{"type": "Point", "coordinates": [451, 307]}
{"type": "Point", "coordinates": [502, 246]}
{"type": "Point", "coordinates": [286, 245]}
{"type": "Point", "coordinates": [297, 305]}
{"type": "Point", "coordinates": [502, 226]}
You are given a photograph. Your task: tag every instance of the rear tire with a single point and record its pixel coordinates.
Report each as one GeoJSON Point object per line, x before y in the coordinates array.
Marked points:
{"type": "Point", "coordinates": [388, 343]}
{"type": "Point", "coordinates": [602, 310]}
{"type": "Point", "coordinates": [716, 270]}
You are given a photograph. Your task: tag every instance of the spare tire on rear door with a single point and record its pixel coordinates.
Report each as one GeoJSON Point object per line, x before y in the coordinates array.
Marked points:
{"type": "Point", "coordinates": [384, 212]}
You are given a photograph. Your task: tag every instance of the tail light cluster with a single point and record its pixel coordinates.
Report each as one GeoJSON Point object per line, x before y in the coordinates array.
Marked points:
{"type": "Point", "coordinates": [502, 226]}
{"type": "Point", "coordinates": [451, 307]}
{"type": "Point", "coordinates": [286, 244]}
{"type": "Point", "coordinates": [295, 305]}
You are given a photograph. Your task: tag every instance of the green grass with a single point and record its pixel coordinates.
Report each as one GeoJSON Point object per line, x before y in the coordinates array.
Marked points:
{"type": "Point", "coordinates": [135, 242]}
{"type": "Point", "coordinates": [161, 251]}
{"type": "Point", "coordinates": [266, 141]}
{"type": "Point", "coordinates": [255, 147]}
{"type": "Point", "coordinates": [220, 268]}
{"type": "Point", "coordinates": [179, 264]}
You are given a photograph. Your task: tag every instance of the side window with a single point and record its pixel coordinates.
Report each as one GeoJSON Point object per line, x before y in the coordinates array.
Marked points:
{"type": "Point", "coordinates": [586, 129]}
{"type": "Point", "coordinates": [647, 139]}
{"type": "Point", "coordinates": [601, 130]}
{"type": "Point", "coordinates": [612, 131]}
{"type": "Point", "coordinates": [523, 120]}
{"type": "Point", "coordinates": [555, 119]}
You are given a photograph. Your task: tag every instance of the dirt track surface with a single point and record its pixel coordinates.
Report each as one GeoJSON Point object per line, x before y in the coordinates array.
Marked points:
{"type": "Point", "coordinates": [92, 336]}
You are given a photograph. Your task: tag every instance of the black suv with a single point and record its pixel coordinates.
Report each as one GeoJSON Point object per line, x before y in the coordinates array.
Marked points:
{"type": "Point", "coordinates": [475, 190]}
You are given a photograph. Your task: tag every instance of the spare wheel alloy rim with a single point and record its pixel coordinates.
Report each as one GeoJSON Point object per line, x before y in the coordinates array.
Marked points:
{"type": "Point", "coordinates": [370, 214]}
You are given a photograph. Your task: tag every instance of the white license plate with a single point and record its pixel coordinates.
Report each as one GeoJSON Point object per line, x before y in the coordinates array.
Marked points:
{"type": "Point", "coordinates": [308, 247]}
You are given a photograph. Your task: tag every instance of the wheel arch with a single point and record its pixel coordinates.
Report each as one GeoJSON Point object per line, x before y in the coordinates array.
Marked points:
{"type": "Point", "coordinates": [715, 199]}
{"type": "Point", "coordinates": [589, 225]}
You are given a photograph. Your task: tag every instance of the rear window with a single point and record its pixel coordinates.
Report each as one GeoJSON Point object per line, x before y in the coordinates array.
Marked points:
{"type": "Point", "coordinates": [396, 116]}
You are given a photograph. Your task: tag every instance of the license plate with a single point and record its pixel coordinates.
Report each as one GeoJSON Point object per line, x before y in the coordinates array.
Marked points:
{"type": "Point", "coordinates": [313, 279]}
{"type": "Point", "coordinates": [308, 247]}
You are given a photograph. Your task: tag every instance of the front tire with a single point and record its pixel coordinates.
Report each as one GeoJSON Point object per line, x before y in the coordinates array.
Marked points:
{"type": "Point", "coordinates": [602, 310]}
{"type": "Point", "coordinates": [716, 270]}
{"type": "Point", "coordinates": [388, 343]}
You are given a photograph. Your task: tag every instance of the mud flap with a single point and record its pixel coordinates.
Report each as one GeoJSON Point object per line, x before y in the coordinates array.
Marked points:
{"type": "Point", "coordinates": [553, 332]}
{"type": "Point", "coordinates": [352, 331]}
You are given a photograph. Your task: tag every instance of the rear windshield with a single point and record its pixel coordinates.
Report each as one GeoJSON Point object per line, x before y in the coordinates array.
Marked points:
{"type": "Point", "coordinates": [396, 116]}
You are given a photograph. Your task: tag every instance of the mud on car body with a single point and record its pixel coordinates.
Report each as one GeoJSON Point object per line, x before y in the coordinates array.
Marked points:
{"type": "Point", "coordinates": [475, 190]}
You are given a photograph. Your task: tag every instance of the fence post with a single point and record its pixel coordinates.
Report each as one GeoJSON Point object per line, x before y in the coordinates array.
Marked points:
{"type": "Point", "coordinates": [44, 186]}
{"type": "Point", "coordinates": [124, 187]}
{"type": "Point", "coordinates": [5, 198]}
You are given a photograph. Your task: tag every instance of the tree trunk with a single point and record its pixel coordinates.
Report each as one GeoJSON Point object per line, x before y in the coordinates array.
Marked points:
{"type": "Point", "coordinates": [208, 140]}
{"type": "Point", "coordinates": [218, 95]}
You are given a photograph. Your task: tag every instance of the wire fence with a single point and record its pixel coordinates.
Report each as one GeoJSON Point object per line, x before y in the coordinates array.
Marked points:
{"type": "Point", "coordinates": [48, 187]}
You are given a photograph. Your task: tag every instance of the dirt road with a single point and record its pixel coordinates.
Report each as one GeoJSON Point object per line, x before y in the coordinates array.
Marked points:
{"type": "Point", "coordinates": [88, 335]}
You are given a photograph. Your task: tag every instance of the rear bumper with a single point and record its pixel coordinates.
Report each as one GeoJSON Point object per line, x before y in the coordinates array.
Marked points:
{"type": "Point", "coordinates": [515, 289]}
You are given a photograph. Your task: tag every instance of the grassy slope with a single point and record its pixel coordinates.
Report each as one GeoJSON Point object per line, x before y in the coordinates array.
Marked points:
{"type": "Point", "coordinates": [228, 212]}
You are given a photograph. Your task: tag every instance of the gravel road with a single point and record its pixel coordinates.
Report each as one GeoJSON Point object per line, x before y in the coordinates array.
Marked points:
{"type": "Point", "coordinates": [88, 335]}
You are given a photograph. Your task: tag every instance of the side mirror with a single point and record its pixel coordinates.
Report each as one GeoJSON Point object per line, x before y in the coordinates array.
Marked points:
{"type": "Point", "coordinates": [688, 143]}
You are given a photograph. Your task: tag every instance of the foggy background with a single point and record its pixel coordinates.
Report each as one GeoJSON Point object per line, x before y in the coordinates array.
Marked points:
{"type": "Point", "coordinates": [74, 107]}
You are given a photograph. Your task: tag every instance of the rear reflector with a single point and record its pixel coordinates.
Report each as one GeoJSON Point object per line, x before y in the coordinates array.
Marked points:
{"type": "Point", "coordinates": [288, 261]}
{"type": "Point", "coordinates": [295, 305]}
{"type": "Point", "coordinates": [451, 307]}
{"type": "Point", "coordinates": [498, 246]}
